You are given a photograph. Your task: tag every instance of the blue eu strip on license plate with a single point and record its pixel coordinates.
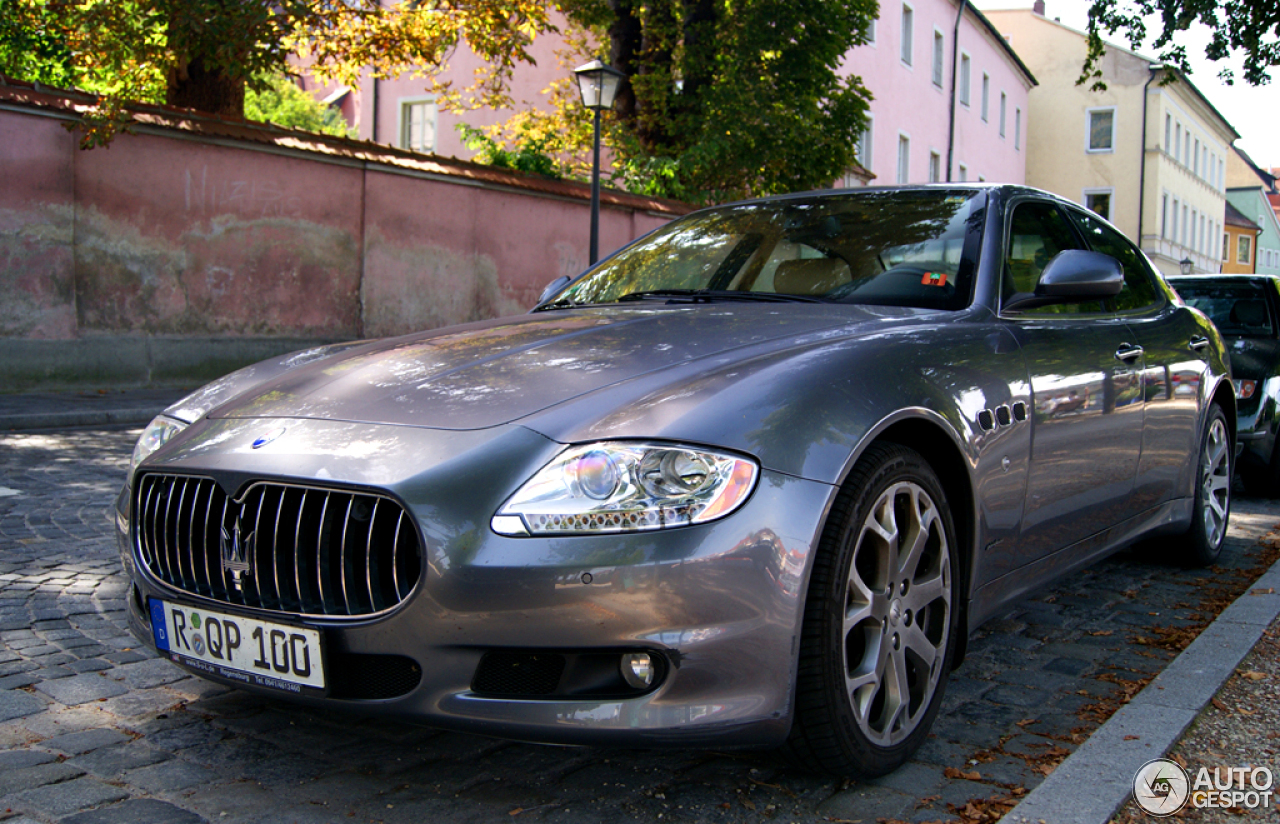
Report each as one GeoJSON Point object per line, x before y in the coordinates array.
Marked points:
{"type": "Point", "coordinates": [251, 651]}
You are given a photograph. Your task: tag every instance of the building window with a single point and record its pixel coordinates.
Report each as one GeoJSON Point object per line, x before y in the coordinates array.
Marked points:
{"type": "Point", "coordinates": [1102, 123]}
{"type": "Point", "coordinates": [1098, 201]}
{"type": "Point", "coordinates": [1177, 142]}
{"type": "Point", "coordinates": [864, 146]}
{"type": "Point", "coordinates": [904, 158]}
{"type": "Point", "coordinates": [908, 22]}
{"type": "Point", "coordinates": [965, 72]}
{"type": "Point", "coordinates": [939, 52]}
{"type": "Point", "coordinates": [1204, 237]}
{"type": "Point", "coordinates": [1226, 247]}
{"type": "Point", "coordinates": [1195, 159]}
{"type": "Point", "coordinates": [1017, 128]}
{"type": "Point", "coordinates": [871, 32]}
{"type": "Point", "coordinates": [986, 95]}
{"type": "Point", "coordinates": [418, 125]}
{"type": "Point", "coordinates": [1164, 216]}
{"type": "Point", "coordinates": [1222, 176]}
{"type": "Point", "coordinates": [1173, 222]}
{"type": "Point", "coordinates": [1184, 224]}
{"type": "Point", "coordinates": [1003, 104]}
{"type": "Point", "coordinates": [964, 173]}
{"type": "Point", "coordinates": [935, 167]}
{"type": "Point", "coordinates": [1244, 251]}
{"type": "Point", "coordinates": [1168, 133]}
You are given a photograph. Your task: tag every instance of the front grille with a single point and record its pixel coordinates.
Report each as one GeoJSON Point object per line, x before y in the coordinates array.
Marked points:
{"type": "Point", "coordinates": [278, 547]}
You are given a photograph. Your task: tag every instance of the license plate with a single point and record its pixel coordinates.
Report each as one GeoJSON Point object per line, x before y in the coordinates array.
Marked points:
{"type": "Point", "coordinates": [261, 653]}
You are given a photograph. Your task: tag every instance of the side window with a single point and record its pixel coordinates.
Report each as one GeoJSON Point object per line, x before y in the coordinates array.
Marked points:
{"type": "Point", "coordinates": [1138, 292]}
{"type": "Point", "coordinates": [1037, 232]}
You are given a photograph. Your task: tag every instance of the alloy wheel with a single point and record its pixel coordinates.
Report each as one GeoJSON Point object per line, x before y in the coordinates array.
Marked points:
{"type": "Point", "coordinates": [1215, 478]}
{"type": "Point", "coordinates": [897, 613]}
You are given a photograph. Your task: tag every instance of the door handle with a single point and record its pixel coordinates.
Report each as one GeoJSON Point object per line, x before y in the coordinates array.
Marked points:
{"type": "Point", "coordinates": [1199, 342]}
{"type": "Point", "coordinates": [1128, 352]}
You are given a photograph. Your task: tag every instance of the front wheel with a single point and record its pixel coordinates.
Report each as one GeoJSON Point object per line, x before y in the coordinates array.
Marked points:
{"type": "Point", "coordinates": [1202, 543]}
{"type": "Point", "coordinates": [880, 620]}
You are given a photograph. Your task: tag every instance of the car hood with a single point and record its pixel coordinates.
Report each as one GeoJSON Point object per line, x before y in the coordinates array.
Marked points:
{"type": "Point", "coordinates": [491, 373]}
{"type": "Point", "coordinates": [1254, 358]}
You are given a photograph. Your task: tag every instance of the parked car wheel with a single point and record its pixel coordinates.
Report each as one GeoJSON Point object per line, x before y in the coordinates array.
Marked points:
{"type": "Point", "coordinates": [881, 619]}
{"type": "Point", "coordinates": [1202, 543]}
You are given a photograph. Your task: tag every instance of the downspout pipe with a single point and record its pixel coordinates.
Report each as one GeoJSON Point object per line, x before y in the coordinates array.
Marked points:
{"type": "Point", "coordinates": [951, 107]}
{"type": "Point", "coordinates": [1142, 167]}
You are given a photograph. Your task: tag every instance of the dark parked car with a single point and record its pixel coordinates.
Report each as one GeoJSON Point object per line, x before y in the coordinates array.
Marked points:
{"type": "Point", "coordinates": [1245, 308]}
{"type": "Point", "coordinates": [750, 481]}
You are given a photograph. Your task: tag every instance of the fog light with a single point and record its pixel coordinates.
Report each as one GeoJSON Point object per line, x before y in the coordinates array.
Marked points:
{"type": "Point", "coordinates": [637, 669]}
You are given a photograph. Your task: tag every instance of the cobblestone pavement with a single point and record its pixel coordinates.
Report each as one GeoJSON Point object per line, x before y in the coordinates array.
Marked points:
{"type": "Point", "coordinates": [95, 728]}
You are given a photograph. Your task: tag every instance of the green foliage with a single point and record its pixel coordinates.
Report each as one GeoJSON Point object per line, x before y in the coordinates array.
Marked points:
{"type": "Point", "coordinates": [528, 153]}
{"type": "Point", "coordinates": [281, 102]}
{"type": "Point", "coordinates": [724, 99]}
{"type": "Point", "coordinates": [202, 54]}
{"type": "Point", "coordinates": [1250, 28]}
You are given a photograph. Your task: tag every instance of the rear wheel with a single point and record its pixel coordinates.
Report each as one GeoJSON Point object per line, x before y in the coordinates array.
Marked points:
{"type": "Point", "coordinates": [1202, 543]}
{"type": "Point", "coordinates": [880, 619]}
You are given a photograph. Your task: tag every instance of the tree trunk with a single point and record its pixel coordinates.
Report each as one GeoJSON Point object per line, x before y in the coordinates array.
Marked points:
{"type": "Point", "coordinates": [211, 91]}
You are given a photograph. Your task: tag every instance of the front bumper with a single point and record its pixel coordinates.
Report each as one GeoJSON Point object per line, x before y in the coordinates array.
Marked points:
{"type": "Point", "coordinates": [720, 603]}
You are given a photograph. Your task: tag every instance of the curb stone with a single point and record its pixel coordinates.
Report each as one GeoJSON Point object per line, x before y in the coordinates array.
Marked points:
{"type": "Point", "coordinates": [1096, 780]}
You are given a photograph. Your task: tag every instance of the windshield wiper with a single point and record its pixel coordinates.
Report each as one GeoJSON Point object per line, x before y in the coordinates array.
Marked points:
{"type": "Point", "coordinates": [709, 295]}
{"type": "Point", "coordinates": [563, 303]}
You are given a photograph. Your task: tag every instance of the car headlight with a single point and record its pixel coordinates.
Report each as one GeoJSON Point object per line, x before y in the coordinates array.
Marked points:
{"type": "Point", "coordinates": [627, 487]}
{"type": "Point", "coordinates": [1245, 389]}
{"type": "Point", "coordinates": [156, 435]}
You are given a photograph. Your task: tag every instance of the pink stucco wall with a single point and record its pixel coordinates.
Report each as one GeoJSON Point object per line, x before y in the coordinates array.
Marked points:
{"type": "Point", "coordinates": [196, 238]}
{"type": "Point", "coordinates": [908, 103]}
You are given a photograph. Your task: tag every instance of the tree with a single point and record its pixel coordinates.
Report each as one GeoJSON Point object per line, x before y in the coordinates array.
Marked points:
{"type": "Point", "coordinates": [724, 98]}
{"type": "Point", "coordinates": [284, 104]}
{"type": "Point", "coordinates": [1248, 27]}
{"type": "Point", "coordinates": [202, 54]}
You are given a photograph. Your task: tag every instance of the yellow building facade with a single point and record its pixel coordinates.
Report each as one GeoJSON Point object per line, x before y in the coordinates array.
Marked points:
{"type": "Point", "coordinates": [1149, 153]}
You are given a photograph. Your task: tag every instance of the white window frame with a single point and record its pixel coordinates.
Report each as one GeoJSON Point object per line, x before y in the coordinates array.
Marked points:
{"type": "Point", "coordinates": [871, 32]}
{"type": "Point", "coordinates": [938, 63]}
{"type": "Point", "coordinates": [935, 166]}
{"type": "Point", "coordinates": [1004, 107]}
{"type": "Point", "coordinates": [1168, 133]}
{"type": "Point", "coordinates": [986, 97]}
{"type": "Point", "coordinates": [906, 31]}
{"type": "Point", "coordinates": [1177, 142]}
{"type": "Point", "coordinates": [402, 123]}
{"type": "Point", "coordinates": [1017, 128]}
{"type": "Point", "coordinates": [1244, 242]}
{"type": "Point", "coordinates": [966, 78]}
{"type": "Point", "coordinates": [1088, 129]}
{"type": "Point", "coordinates": [1109, 191]}
{"type": "Point", "coordinates": [903, 174]}
{"type": "Point", "coordinates": [1195, 159]}
{"type": "Point", "coordinates": [1164, 215]}
{"type": "Point", "coordinates": [867, 137]}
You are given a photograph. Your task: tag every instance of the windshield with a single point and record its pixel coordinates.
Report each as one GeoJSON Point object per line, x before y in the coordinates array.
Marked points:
{"type": "Point", "coordinates": [894, 248]}
{"type": "Point", "coordinates": [1238, 309]}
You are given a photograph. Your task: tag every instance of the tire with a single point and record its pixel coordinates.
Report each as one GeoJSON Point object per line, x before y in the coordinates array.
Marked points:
{"type": "Point", "coordinates": [880, 620]}
{"type": "Point", "coordinates": [1202, 543]}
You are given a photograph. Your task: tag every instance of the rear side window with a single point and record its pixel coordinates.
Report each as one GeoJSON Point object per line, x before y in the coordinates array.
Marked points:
{"type": "Point", "coordinates": [1139, 291]}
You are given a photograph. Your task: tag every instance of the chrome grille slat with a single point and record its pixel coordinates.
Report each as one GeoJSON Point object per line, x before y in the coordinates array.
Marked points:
{"type": "Point", "coordinates": [180, 522]}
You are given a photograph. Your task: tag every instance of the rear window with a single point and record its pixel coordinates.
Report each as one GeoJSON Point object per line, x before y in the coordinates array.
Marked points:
{"type": "Point", "coordinates": [1238, 309]}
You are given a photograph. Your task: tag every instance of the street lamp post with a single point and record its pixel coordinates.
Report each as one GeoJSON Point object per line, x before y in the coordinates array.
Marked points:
{"type": "Point", "coordinates": [598, 84]}
{"type": "Point", "coordinates": [1185, 265]}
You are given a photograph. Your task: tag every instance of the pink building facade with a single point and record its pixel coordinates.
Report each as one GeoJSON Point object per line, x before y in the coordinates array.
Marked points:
{"type": "Point", "coordinates": [912, 67]}
{"type": "Point", "coordinates": [918, 63]}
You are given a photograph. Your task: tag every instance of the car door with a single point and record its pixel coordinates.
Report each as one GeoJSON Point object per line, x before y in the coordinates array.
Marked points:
{"type": "Point", "coordinates": [1175, 344]}
{"type": "Point", "coordinates": [1084, 369]}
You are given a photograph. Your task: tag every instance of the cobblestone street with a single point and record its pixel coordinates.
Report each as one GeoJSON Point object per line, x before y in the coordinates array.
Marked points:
{"type": "Point", "coordinates": [96, 728]}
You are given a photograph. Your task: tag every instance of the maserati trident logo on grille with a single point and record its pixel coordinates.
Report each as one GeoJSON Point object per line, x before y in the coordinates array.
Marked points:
{"type": "Point", "coordinates": [237, 553]}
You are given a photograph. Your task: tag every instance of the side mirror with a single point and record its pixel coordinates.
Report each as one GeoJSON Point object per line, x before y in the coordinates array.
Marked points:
{"type": "Point", "coordinates": [1073, 276]}
{"type": "Point", "coordinates": [553, 287]}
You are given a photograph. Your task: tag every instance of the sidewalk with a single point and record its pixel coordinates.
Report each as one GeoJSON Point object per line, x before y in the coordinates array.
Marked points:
{"type": "Point", "coordinates": [51, 410]}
